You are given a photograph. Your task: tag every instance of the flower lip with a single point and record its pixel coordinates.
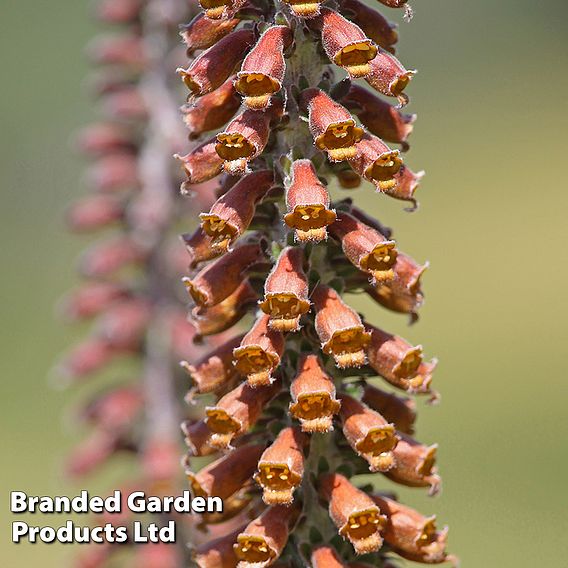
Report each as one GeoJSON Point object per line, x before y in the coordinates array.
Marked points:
{"type": "Point", "coordinates": [221, 231]}
{"type": "Point", "coordinates": [284, 309]}
{"type": "Point", "coordinates": [305, 8]}
{"type": "Point", "coordinates": [256, 363]}
{"type": "Point", "coordinates": [348, 346]}
{"type": "Point", "coordinates": [232, 146]}
{"type": "Point", "coordinates": [383, 169]}
{"type": "Point", "coordinates": [217, 9]}
{"type": "Point", "coordinates": [253, 550]}
{"type": "Point", "coordinates": [339, 139]}
{"type": "Point", "coordinates": [362, 530]}
{"type": "Point", "coordinates": [355, 57]}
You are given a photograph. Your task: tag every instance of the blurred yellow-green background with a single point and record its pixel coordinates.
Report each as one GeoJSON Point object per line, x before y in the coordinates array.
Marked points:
{"type": "Point", "coordinates": [491, 95]}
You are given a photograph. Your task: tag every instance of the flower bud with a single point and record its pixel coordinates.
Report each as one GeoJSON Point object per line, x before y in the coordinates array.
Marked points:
{"type": "Point", "coordinates": [202, 163]}
{"type": "Point", "coordinates": [200, 247]}
{"type": "Point", "coordinates": [401, 411]}
{"type": "Point", "coordinates": [354, 513]}
{"type": "Point", "coordinates": [202, 32]}
{"type": "Point", "coordinates": [197, 436]}
{"type": "Point", "coordinates": [214, 369]}
{"type": "Point", "coordinates": [411, 535]}
{"type": "Point", "coordinates": [313, 396]}
{"type": "Point", "coordinates": [237, 412]}
{"type": "Point", "coordinates": [222, 316]}
{"type": "Point", "coordinates": [389, 77]}
{"type": "Point", "coordinates": [368, 433]}
{"type": "Point", "coordinates": [218, 553]}
{"type": "Point", "coordinates": [375, 26]}
{"type": "Point", "coordinates": [91, 299]}
{"type": "Point", "coordinates": [307, 201]}
{"type": "Point", "coordinates": [326, 557]}
{"type": "Point", "coordinates": [332, 127]}
{"type": "Point", "coordinates": [376, 162]}
{"type": "Point", "coordinates": [339, 328]}
{"type": "Point", "coordinates": [213, 110]}
{"type": "Point", "coordinates": [264, 538]}
{"type": "Point", "coordinates": [365, 247]}
{"type": "Point", "coordinates": [106, 257]}
{"type": "Point", "coordinates": [216, 64]}
{"type": "Point", "coordinates": [231, 215]}
{"type": "Point", "coordinates": [94, 212]}
{"type": "Point", "coordinates": [305, 8]}
{"type": "Point", "coordinates": [262, 71]}
{"type": "Point", "coordinates": [415, 465]}
{"type": "Point", "coordinates": [346, 44]}
{"type": "Point", "coordinates": [379, 117]}
{"type": "Point", "coordinates": [221, 278]}
{"type": "Point", "coordinates": [259, 353]}
{"type": "Point", "coordinates": [286, 291]}
{"type": "Point", "coordinates": [281, 467]}
{"type": "Point", "coordinates": [221, 9]}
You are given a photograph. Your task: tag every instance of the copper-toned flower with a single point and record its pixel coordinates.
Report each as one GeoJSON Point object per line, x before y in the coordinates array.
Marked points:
{"type": "Point", "coordinates": [403, 293]}
{"type": "Point", "coordinates": [217, 553]}
{"type": "Point", "coordinates": [259, 353]}
{"type": "Point", "coordinates": [368, 433]}
{"type": "Point", "coordinates": [225, 314]}
{"type": "Point", "coordinates": [376, 162]}
{"type": "Point", "coordinates": [326, 557]}
{"type": "Point", "coordinates": [375, 26]}
{"type": "Point", "coordinates": [400, 363]}
{"type": "Point", "coordinates": [307, 201]}
{"type": "Point", "coordinates": [200, 247]}
{"type": "Point", "coordinates": [339, 328]}
{"type": "Point", "coordinates": [346, 44]}
{"type": "Point", "coordinates": [389, 77]}
{"type": "Point", "coordinates": [286, 291]}
{"type": "Point", "coordinates": [332, 127]}
{"type": "Point", "coordinates": [412, 535]}
{"type": "Point", "coordinates": [244, 139]}
{"type": "Point", "coordinates": [313, 396]}
{"type": "Point", "coordinates": [415, 464]}
{"type": "Point", "coordinates": [365, 247]}
{"type": "Point", "coordinates": [218, 280]}
{"type": "Point", "coordinates": [401, 411]}
{"type": "Point", "coordinates": [221, 9]}
{"type": "Point", "coordinates": [215, 369]}
{"type": "Point", "coordinates": [202, 163]}
{"type": "Point", "coordinates": [262, 71]}
{"type": "Point", "coordinates": [236, 412]}
{"type": "Point", "coordinates": [305, 8]}
{"type": "Point", "coordinates": [354, 513]}
{"type": "Point", "coordinates": [213, 110]}
{"type": "Point", "coordinates": [379, 117]}
{"type": "Point", "coordinates": [197, 436]}
{"type": "Point", "coordinates": [407, 183]}
{"type": "Point", "coordinates": [230, 216]}
{"type": "Point", "coordinates": [203, 32]}
{"type": "Point", "coordinates": [264, 538]}
{"type": "Point", "coordinates": [216, 64]}
{"type": "Point", "coordinates": [281, 467]}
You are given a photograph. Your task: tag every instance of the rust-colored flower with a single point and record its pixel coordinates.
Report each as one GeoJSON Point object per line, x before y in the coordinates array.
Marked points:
{"type": "Point", "coordinates": [375, 26]}
{"type": "Point", "coordinates": [94, 212]}
{"type": "Point", "coordinates": [354, 513]}
{"type": "Point", "coordinates": [389, 77]}
{"type": "Point", "coordinates": [333, 128]}
{"type": "Point", "coordinates": [203, 32]}
{"type": "Point", "coordinates": [213, 110]}
{"type": "Point", "coordinates": [326, 557]}
{"type": "Point", "coordinates": [381, 118]}
{"type": "Point", "coordinates": [216, 64]}
{"type": "Point", "coordinates": [197, 436]}
{"type": "Point", "coordinates": [218, 280]}
{"type": "Point", "coordinates": [202, 163]}
{"type": "Point", "coordinates": [259, 353]}
{"type": "Point", "coordinates": [305, 8]}
{"type": "Point", "coordinates": [401, 411]}
{"type": "Point", "coordinates": [215, 369]}
{"type": "Point", "coordinates": [262, 71]}
{"type": "Point", "coordinates": [407, 183]}
{"type": "Point", "coordinates": [221, 9]}
{"type": "Point", "coordinates": [200, 247]}
{"type": "Point", "coordinates": [365, 247]}
{"type": "Point", "coordinates": [376, 162]}
{"type": "Point", "coordinates": [281, 467]}
{"type": "Point", "coordinates": [313, 396]}
{"type": "Point", "coordinates": [286, 291]}
{"type": "Point", "coordinates": [415, 464]}
{"type": "Point", "coordinates": [110, 256]}
{"type": "Point", "coordinates": [339, 328]}
{"type": "Point", "coordinates": [225, 314]}
{"type": "Point", "coordinates": [231, 214]}
{"type": "Point", "coordinates": [218, 553]}
{"type": "Point", "coordinates": [91, 299]}
{"type": "Point", "coordinates": [236, 412]}
{"type": "Point", "coordinates": [368, 433]}
{"type": "Point", "coordinates": [264, 538]}
{"type": "Point", "coordinates": [412, 535]}
{"type": "Point", "coordinates": [346, 44]}
{"type": "Point", "coordinates": [307, 201]}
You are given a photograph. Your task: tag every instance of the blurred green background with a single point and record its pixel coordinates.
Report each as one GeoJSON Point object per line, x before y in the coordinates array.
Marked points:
{"type": "Point", "coordinates": [491, 98]}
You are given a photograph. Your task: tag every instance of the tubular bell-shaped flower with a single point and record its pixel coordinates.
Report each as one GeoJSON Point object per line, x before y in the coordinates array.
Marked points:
{"type": "Point", "coordinates": [202, 163]}
{"type": "Point", "coordinates": [203, 32]}
{"type": "Point", "coordinates": [401, 411]}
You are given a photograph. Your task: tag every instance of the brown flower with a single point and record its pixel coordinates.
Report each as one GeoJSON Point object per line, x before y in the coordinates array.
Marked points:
{"type": "Point", "coordinates": [401, 411]}
{"type": "Point", "coordinates": [202, 163]}
{"type": "Point", "coordinates": [203, 32]}
{"type": "Point", "coordinates": [200, 247]}
{"type": "Point", "coordinates": [326, 557]}
{"type": "Point", "coordinates": [313, 396]}
{"type": "Point", "coordinates": [407, 183]}
{"type": "Point", "coordinates": [354, 513]}
{"type": "Point", "coordinates": [217, 553]}
{"type": "Point", "coordinates": [286, 291]}
{"type": "Point", "coordinates": [197, 437]}
{"type": "Point", "coordinates": [281, 467]}
{"type": "Point", "coordinates": [368, 433]}
{"type": "Point", "coordinates": [339, 328]}
{"type": "Point", "coordinates": [307, 201]}
{"type": "Point", "coordinates": [389, 77]}
{"type": "Point", "coordinates": [259, 353]}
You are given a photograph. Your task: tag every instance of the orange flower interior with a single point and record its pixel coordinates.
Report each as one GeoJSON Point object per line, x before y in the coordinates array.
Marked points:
{"type": "Point", "coordinates": [377, 445]}
{"type": "Point", "coordinates": [221, 231]}
{"type": "Point", "coordinates": [303, 8]}
{"type": "Point", "coordinates": [409, 364]}
{"type": "Point", "coordinates": [284, 310]}
{"type": "Point", "coordinates": [223, 427]}
{"type": "Point", "coordinates": [257, 88]}
{"type": "Point", "coordinates": [315, 410]}
{"type": "Point", "coordinates": [356, 56]}
{"type": "Point", "coordinates": [339, 140]}
{"type": "Point", "coordinates": [383, 169]}
{"type": "Point", "coordinates": [348, 346]}
{"type": "Point", "coordinates": [255, 363]}
{"type": "Point", "coordinates": [233, 146]}
{"type": "Point", "coordinates": [193, 87]}
{"type": "Point", "coordinates": [362, 530]}
{"type": "Point", "coordinates": [278, 483]}
{"type": "Point", "coordinates": [310, 221]}
{"type": "Point", "coordinates": [215, 9]}
{"type": "Point", "coordinates": [253, 550]}
{"type": "Point", "coordinates": [380, 261]}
